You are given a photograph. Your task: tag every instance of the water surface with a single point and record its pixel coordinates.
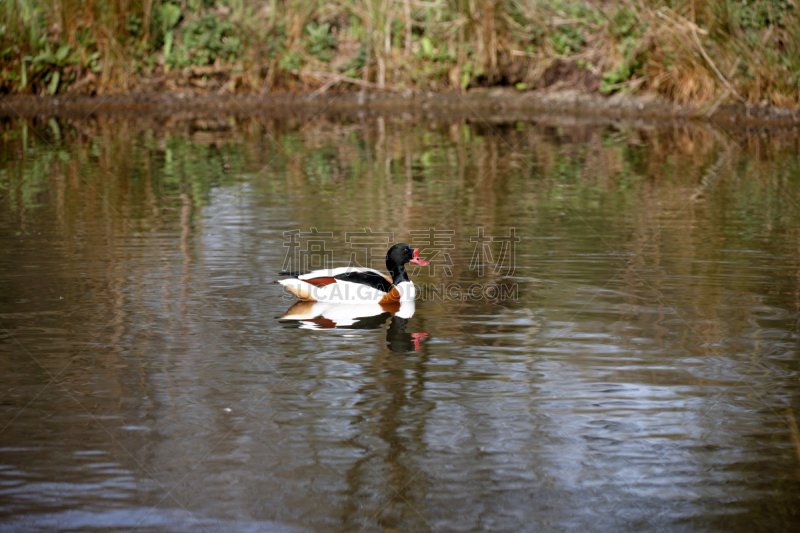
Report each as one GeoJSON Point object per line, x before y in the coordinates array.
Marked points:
{"type": "Point", "coordinates": [641, 372]}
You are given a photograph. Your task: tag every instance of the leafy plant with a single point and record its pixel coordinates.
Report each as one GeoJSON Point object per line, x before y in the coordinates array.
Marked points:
{"type": "Point", "coordinates": [356, 63]}
{"type": "Point", "coordinates": [321, 41]}
{"type": "Point", "coordinates": [429, 51]}
{"type": "Point", "coordinates": [170, 15]}
{"type": "Point", "coordinates": [625, 23]}
{"type": "Point", "coordinates": [292, 60]}
{"type": "Point", "coordinates": [624, 71]}
{"type": "Point", "coordinates": [567, 39]}
{"type": "Point", "coordinates": [204, 40]}
{"type": "Point", "coordinates": [48, 67]}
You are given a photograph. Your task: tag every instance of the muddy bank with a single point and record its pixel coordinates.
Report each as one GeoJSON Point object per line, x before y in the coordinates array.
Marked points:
{"type": "Point", "coordinates": [491, 105]}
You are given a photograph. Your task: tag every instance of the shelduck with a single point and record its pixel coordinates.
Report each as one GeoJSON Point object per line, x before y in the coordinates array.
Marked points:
{"type": "Point", "coordinates": [358, 285]}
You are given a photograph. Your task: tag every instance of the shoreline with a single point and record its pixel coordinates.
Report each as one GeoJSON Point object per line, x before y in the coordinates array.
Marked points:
{"type": "Point", "coordinates": [491, 105]}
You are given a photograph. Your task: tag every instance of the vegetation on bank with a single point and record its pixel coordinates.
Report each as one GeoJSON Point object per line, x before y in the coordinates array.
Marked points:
{"type": "Point", "coordinates": [705, 52]}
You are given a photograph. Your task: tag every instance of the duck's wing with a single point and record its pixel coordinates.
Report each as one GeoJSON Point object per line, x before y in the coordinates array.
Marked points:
{"type": "Point", "coordinates": [370, 278]}
{"type": "Point", "coordinates": [332, 272]}
{"type": "Point", "coordinates": [328, 276]}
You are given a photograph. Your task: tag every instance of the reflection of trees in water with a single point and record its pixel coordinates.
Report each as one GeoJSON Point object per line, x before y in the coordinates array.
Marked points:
{"type": "Point", "coordinates": [157, 173]}
{"type": "Point", "coordinates": [143, 175]}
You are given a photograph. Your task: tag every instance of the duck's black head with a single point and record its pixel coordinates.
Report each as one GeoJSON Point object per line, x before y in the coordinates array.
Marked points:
{"type": "Point", "coordinates": [397, 256]}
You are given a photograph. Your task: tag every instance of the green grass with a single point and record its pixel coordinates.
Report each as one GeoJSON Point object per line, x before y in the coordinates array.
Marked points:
{"type": "Point", "coordinates": [701, 52]}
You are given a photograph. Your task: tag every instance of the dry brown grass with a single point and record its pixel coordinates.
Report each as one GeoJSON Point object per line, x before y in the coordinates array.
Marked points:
{"type": "Point", "coordinates": [699, 52]}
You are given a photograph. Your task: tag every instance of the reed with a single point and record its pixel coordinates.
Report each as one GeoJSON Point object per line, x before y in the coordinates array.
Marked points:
{"type": "Point", "coordinates": [702, 52]}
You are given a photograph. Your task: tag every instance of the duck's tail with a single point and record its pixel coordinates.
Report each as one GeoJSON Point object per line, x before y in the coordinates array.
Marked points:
{"type": "Point", "coordinates": [292, 273]}
{"type": "Point", "coordinates": [299, 288]}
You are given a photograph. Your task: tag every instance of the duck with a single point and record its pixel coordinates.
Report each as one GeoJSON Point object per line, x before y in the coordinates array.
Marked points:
{"type": "Point", "coordinates": [358, 285]}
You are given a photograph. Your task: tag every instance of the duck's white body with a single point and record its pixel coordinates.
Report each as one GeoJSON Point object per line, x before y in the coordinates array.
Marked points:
{"type": "Point", "coordinates": [308, 287]}
{"type": "Point", "coordinates": [349, 293]}
{"type": "Point", "coordinates": [358, 285]}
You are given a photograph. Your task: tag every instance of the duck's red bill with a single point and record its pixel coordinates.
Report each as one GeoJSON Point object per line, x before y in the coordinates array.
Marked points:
{"type": "Point", "coordinates": [417, 260]}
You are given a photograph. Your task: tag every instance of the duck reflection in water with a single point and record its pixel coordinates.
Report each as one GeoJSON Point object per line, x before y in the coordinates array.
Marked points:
{"type": "Point", "coordinates": [319, 315]}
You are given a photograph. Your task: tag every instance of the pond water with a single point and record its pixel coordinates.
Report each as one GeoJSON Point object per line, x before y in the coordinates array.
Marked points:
{"type": "Point", "coordinates": [607, 338]}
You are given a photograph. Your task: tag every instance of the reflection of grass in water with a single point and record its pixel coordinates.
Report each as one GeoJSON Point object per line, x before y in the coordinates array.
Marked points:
{"type": "Point", "coordinates": [409, 177]}
{"type": "Point", "coordinates": [114, 166]}
{"type": "Point", "coordinates": [566, 190]}
{"type": "Point", "coordinates": [690, 51]}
